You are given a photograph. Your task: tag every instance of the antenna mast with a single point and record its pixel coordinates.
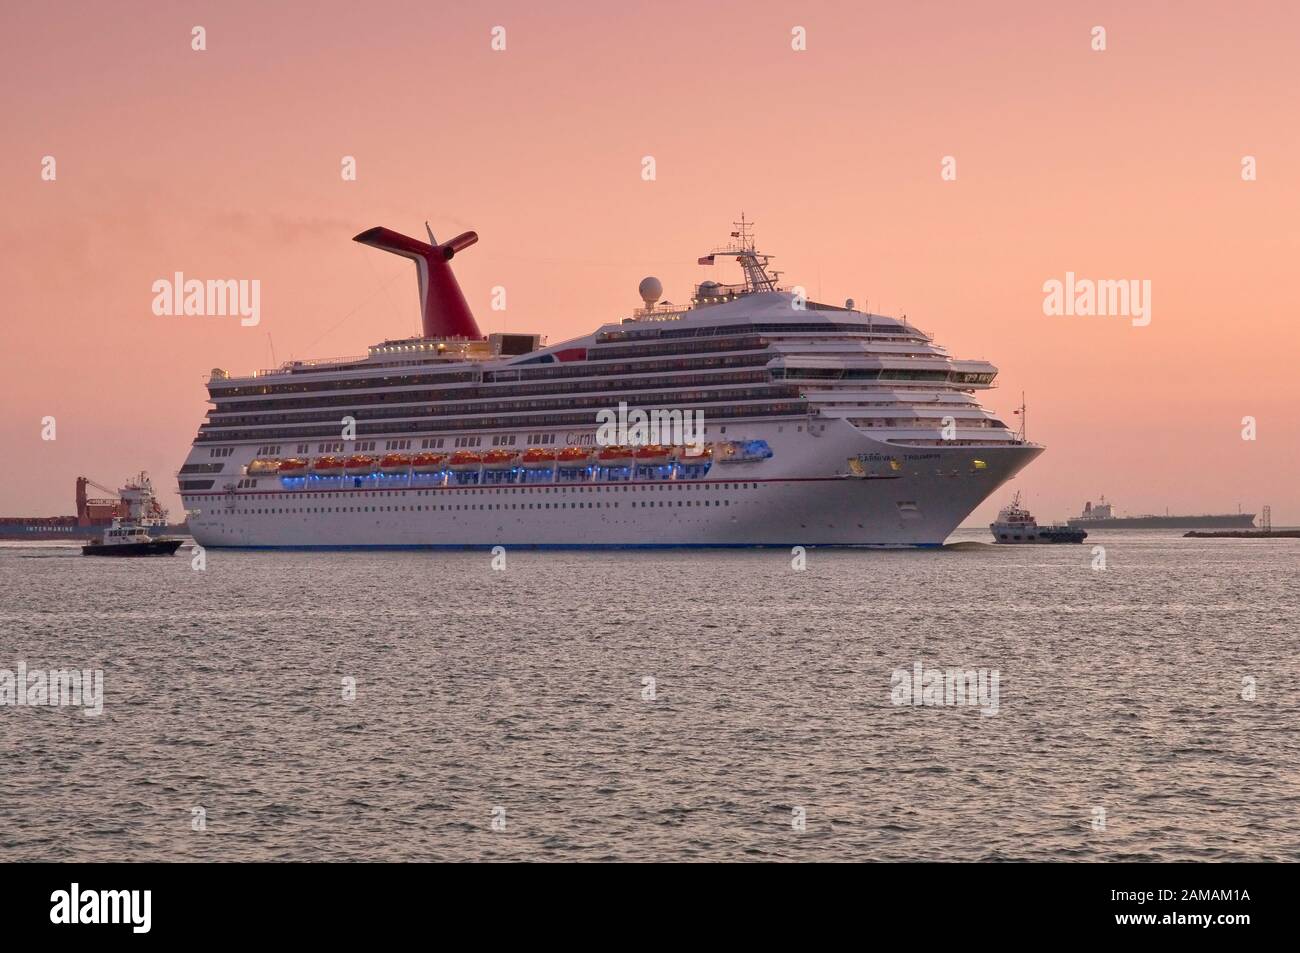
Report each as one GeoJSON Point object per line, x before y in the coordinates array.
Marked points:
{"type": "Point", "coordinates": [751, 261]}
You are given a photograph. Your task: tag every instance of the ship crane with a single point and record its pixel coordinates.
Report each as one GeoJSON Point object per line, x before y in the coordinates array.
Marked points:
{"type": "Point", "coordinates": [100, 509]}
{"type": "Point", "coordinates": [97, 486]}
{"type": "Point", "coordinates": [84, 504]}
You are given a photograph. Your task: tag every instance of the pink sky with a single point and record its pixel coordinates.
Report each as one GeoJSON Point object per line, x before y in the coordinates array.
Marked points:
{"type": "Point", "coordinates": [226, 164]}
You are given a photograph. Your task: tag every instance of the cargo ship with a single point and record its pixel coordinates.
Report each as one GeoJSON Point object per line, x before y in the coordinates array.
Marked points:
{"type": "Point", "coordinates": [1102, 516]}
{"type": "Point", "coordinates": [94, 515]}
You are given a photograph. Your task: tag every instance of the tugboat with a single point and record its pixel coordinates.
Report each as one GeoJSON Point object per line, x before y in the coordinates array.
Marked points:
{"type": "Point", "coordinates": [129, 539]}
{"type": "Point", "coordinates": [129, 534]}
{"type": "Point", "coordinates": [1015, 524]}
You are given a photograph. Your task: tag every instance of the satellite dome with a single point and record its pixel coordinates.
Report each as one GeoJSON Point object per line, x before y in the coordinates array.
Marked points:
{"type": "Point", "coordinates": [708, 289]}
{"type": "Point", "coordinates": [651, 290]}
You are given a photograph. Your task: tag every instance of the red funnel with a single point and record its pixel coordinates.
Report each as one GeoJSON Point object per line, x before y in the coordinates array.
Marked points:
{"type": "Point", "coordinates": [443, 307]}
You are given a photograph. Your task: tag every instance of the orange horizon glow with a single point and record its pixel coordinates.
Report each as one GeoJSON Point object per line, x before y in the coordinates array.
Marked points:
{"type": "Point", "coordinates": [225, 163]}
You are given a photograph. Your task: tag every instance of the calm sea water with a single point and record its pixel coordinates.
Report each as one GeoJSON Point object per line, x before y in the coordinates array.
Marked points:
{"type": "Point", "coordinates": [521, 697]}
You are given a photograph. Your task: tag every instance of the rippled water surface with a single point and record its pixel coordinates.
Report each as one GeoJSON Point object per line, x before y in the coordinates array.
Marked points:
{"type": "Point", "coordinates": [518, 695]}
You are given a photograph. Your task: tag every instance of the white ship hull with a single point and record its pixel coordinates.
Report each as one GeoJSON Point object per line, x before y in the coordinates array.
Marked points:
{"type": "Point", "coordinates": [805, 494]}
{"type": "Point", "coordinates": [827, 426]}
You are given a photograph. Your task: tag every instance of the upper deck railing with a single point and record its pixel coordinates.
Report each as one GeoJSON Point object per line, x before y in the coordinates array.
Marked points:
{"type": "Point", "coordinates": [288, 367]}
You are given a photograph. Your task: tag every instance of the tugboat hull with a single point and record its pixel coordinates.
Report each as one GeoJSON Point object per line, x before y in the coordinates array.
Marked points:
{"type": "Point", "coordinates": [1060, 534]}
{"type": "Point", "coordinates": [155, 547]}
{"type": "Point", "coordinates": [1040, 534]}
{"type": "Point", "coordinates": [1015, 524]}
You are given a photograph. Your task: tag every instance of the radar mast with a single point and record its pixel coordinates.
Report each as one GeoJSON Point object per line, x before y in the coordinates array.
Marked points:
{"type": "Point", "coordinates": [753, 262]}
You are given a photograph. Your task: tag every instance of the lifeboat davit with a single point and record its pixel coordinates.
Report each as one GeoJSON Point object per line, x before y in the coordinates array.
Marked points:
{"type": "Point", "coordinates": [360, 465]}
{"type": "Point", "coordinates": [328, 466]}
{"type": "Point", "coordinates": [427, 462]}
{"type": "Point", "coordinates": [500, 459]}
{"type": "Point", "coordinates": [614, 456]}
{"type": "Point", "coordinates": [395, 463]}
{"type": "Point", "coordinates": [538, 458]}
{"type": "Point", "coordinates": [464, 460]}
{"type": "Point", "coordinates": [573, 458]}
{"type": "Point", "coordinates": [293, 467]}
{"type": "Point", "coordinates": [266, 465]}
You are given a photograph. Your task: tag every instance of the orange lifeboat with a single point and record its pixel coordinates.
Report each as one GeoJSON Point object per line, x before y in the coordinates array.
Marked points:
{"type": "Point", "coordinates": [293, 467]}
{"type": "Point", "coordinates": [328, 466]}
{"type": "Point", "coordinates": [395, 463]}
{"type": "Point", "coordinates": [538, 458]}
{"type": "Point", "coordinates": [464, 460]}
{"type": "Point", "coordinates": [263, 465]}
{"type": "Point", "coordinates": [359, 465]}
{"type": "Point", "coordinates": [574, 458]}
{"type": "Point", "coordinates": [652, 453]}
{"type": "Point", "coordinates": [427, 462]}
{"type": "Point", "coordinates": [614, 456]}
{"type": "Point", "coordinates": [500, 459]}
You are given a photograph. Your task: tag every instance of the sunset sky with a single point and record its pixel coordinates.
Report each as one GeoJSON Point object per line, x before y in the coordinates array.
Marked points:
{"type": "Point", "coordinates": [225, 163]}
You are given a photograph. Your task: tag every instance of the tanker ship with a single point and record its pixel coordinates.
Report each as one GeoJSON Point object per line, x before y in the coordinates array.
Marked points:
{"type": "Point", "coordinates": [785, 421]}
{"type": "Point", "coordinates": [1102, 516]}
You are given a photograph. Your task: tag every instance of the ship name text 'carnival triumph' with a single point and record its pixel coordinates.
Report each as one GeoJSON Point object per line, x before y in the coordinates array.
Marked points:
{"type": "Point", "coordinates": [751, 417]}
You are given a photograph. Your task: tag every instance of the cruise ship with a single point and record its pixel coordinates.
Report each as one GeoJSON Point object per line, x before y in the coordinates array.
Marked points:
{"type": "Point", "coordinates": [814, 425]}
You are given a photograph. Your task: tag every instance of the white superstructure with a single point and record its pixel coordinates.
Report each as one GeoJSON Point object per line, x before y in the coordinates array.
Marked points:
{"type": "Point", "coordinates": [824, 425]}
